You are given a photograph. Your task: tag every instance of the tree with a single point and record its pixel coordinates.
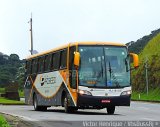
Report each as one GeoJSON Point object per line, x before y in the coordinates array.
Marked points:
{"type": "Point", "coordinates": [9, 67]}
{"type": "Point", "coordinates": [20, 76]}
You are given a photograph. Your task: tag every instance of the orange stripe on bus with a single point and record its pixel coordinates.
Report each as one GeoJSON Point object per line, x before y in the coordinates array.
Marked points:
{"type": "Point", "coordinates": [65, 75]}
{"type": "Point", "coordinates": [31, 89]}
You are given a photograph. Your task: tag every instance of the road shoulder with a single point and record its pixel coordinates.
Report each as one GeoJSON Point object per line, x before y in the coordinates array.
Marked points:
{"type": "Point", "coordinates": [15, 121]}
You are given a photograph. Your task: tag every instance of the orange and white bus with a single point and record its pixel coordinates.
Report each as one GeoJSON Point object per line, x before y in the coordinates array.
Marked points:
{"type": "Point", "coordinates": [81, 75]}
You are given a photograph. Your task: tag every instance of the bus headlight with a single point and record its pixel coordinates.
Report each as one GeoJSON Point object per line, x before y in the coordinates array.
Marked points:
{"type": "Point", "coordinates": [126, 92]}
{"type": "Point", "coordinates": [84, 92]}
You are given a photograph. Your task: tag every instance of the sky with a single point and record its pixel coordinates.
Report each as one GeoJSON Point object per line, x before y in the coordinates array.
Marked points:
{"type": "Point", "coordinates": [58, 22]}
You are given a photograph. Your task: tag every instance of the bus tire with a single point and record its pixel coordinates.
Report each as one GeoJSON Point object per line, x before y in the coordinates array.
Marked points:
{"type": "Point", "coordinates": [67, 109]}
{"type": "Point", "coordinates": [111, 110]}
{"type": "Point", "coordinates": [35, 104]}
{"type": "Point", "coordinates": [73, 109]}
{"type": "Point", "coordinates": [43, 108]}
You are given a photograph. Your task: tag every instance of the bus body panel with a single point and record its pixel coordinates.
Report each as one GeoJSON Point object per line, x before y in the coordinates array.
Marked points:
{"type": "Point", "coordinates": [99, 102]}
{"type": "Point", "coordinates": [48, 88]}
{"type": "Point", "coordinates": [105, 91]}
{"type": "Point", "coordinates": [103, 97]}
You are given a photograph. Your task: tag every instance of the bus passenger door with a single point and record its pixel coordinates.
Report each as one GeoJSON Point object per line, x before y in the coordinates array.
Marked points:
{"type": "Point", "coordinates": [73, 86]}
{"type": "Point", "coordinates": [72, 75]}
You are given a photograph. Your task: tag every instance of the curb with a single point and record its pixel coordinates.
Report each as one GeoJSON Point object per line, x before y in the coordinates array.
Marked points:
{"type": "Point", "coordinates": [145, 101]}
{"type": "Point", "coordinates": [8, 103]}
{"type": "Point", "coordinates": [11, 104]}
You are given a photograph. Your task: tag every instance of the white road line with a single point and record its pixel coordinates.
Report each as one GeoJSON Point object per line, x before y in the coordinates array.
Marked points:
{"type": "Point", "coordinates": [143, 108]}
{"type": "Point", "coordinates": [149, 119]}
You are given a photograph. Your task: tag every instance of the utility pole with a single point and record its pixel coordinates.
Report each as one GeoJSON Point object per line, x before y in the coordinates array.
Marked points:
{"type": "Point", "coordinates": [146, 69]}
{"type": "Point", "coordinates": [31, 34]}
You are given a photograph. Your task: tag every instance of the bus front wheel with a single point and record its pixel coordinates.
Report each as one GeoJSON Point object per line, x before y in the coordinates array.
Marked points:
{"type": "Point", "coordinates": [67, 108]}
{"type": "Point", "coordinates": [111, 110]}
{"type": "Point", "coordinates": [65, 103]}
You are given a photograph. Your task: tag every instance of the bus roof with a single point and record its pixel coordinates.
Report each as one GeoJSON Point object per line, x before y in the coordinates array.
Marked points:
{"type": "Point", "coordinates": [73, 44]}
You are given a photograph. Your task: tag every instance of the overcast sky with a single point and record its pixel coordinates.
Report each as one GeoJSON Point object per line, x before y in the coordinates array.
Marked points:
{"type": "Point", "coordinates": [57, 22]}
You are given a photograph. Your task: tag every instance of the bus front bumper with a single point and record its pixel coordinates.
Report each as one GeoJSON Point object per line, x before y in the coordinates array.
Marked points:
{"type": "Point", "coordinates": [86, 101]}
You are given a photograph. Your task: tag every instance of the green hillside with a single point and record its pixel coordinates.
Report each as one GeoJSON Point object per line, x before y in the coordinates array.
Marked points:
{"type": "Point", "coordinates": [138, 46]}
{"type": "Point", "coordinates": [151, 54]}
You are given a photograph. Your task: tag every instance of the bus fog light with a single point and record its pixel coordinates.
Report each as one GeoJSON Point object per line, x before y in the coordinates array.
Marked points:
{"type": "Point", "coordinates": [126, 92]}
{"type": "Point", "coordinates": [84, 92]}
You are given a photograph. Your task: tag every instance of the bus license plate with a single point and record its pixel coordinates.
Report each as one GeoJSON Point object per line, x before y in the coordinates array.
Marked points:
{"type": "Point", "coordinates": [105, 101]}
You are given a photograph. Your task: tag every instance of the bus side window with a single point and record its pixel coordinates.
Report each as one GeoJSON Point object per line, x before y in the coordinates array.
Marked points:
{"type": "Point", "coordinates": [41, 64]}
{"type": "Point", "coordinates": [34, 66]}
{"type": "Point", "coordinates": [56, 61]}
{"type": "Point", "coordinates": [63, 59]}
{"type": "Point", "coordinates": [28, 67]}
{"type": "Point", "coordinates": [52, 61]}
{"type": "Point", "coordinates": [48, 62]}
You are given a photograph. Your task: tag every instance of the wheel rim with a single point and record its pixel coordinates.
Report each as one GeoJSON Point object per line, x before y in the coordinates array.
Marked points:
{"type": "Point", "coordinates": [35, 103]}
{"type": "Point", "coordinates": [65, 104]}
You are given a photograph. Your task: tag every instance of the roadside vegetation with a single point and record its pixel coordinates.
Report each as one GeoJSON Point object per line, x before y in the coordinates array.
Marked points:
{"type": "Point", "coordinates": [150, 56]}
{"type": "Point", "coordinates": [8, 101]}
{"type": "Point", "coordinates": [21, 93]}
{"type": "Point", "coordinates": [2, 90]}
{"type": "Point", "coordinates": [149, 59]}
{"type": "Point", "coordinates": [139, 45]}
{"type": "Point", "coordinates": [3, 122]}
{"type": "Point", "coordinates": [153, 95]}
{"type": "Point", "coordinates": [12, 71]}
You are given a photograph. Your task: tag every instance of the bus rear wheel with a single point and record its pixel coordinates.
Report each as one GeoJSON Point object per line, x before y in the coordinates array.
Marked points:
{"type": "Point", "coordinates": [35, 104]}
{"type": "Point", "coordinates": [111, 110]}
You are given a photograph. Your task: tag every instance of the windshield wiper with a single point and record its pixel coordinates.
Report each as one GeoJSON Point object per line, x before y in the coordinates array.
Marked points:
{"type": "Point", "coordinates": [113, 75]}
{"type": "Point", "coordinates": [110, 70]}
{"type": "Point", "coordinates": [105, 68]}
{"type": "Point", "coordinates": [101, 67]}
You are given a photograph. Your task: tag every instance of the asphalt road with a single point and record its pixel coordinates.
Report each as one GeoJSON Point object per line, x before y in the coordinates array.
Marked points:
{"type": "Point", "coordinates": [55, 116]}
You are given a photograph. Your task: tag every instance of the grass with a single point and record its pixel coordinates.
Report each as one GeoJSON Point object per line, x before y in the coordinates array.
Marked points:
{"type": "Point", "coordinates": [153, 95]}
{"type": "Point", "coordinates": [3, 122]}
{"type": "Point", "coordinates": [2, 90]}
{"type": "Point", "coordinates": [9, 102]}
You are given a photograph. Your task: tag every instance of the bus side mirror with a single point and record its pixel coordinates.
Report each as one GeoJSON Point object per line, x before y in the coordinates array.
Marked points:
{"type": "Point", "coordinates": [135, 59]}
{"type": "Point", "coordinates": [76, 58]}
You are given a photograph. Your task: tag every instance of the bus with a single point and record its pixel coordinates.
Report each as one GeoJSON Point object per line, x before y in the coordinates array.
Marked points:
{"type": "Point", "coordinates": [80, 75]}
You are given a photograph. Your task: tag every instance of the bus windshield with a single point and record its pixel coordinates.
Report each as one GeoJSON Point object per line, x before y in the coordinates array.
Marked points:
{"type": "Point", "coordinates": [104, 67]}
